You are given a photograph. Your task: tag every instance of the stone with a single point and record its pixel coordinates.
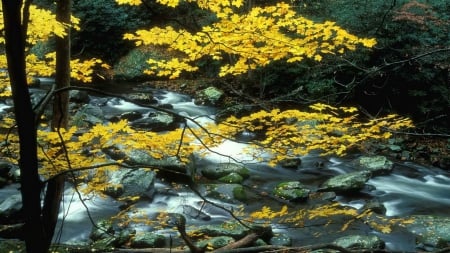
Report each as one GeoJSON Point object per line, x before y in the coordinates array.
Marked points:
{"type": "Point", "coordinates": [133, 183]}
{"type": "Point", "coordinates": [431, 231]}
{"type": "Point", "coordinates": [79, 96]}
{"type": "Point", "coordinates": [291, 163]}
{"type": "Point", "coordinates": [142, 98]}
{"type": "Point", "coordinates": [157, 122]}
{"type": "Point", "coordinates": [88, 115]}
{"type": "Point", "coordinates": [377, 165]}
{"type": "Point", "coordinates": [360, 242]}
{"type": "Point", "coordinates": [232, 178]}
{"type": "Point", "coordinates": [239, 193]}
{"type": "Point", "coordinates": [281, 240]}
{"type": "Point", "coordinates": [208, 96]}
{"type": "Point", "coordinates": [292, 191]}
{"type": "Point", "coordinates": [215, 242]}
{"type": "Point", "coordinates": [349, 182]}
{"type": "Point", "coordinates": [148, 240]}
{"type": "Point", "coordinates": [102, 229]}
{"type": "Point", "coordinates": [11, 209]}
{"type": "Point", "coordinates": [219, 170]}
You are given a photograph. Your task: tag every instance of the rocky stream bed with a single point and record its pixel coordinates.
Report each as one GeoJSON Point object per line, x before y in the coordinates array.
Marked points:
{"type": "Point", "coordinates": [376, 201]}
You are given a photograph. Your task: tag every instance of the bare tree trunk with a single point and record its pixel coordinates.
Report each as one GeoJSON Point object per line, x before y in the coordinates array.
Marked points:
{"type": "Point", "coordinates": [29, 177]}
{"type": "Point", "coordinates": [55, 186]}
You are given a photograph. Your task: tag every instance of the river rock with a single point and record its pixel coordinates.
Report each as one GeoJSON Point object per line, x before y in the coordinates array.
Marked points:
{"type": "Point", "coordinates": [235, 230]}
{"type": "Point", "coordinates": [231, 193]}
{"type": "Point", "coordinates": [87, 116]}
{"type": "Point", "coordinates": [208, 96]}
{"type": "Point", "coordinates": [79, 96]}
{"type": "Point", "coordinates": [219, 170]}
{"type": "Point", "coordinates": [232, 178]}
{"type": "Point", "coordinates": [377, 165]}
{"type": "Point", "coordinates": [360, 242]}
{"type": "Point", "coordinates": [281, 240]}
{"type": "Point", "coordinates": [215, 242]}
{"type": "Point", "coordinates": [431, 231]}
{"type": "Point", "coordinates": [292, 191]}
{"type": "Point", "coordinates": [142, 98]}
{"type": "Point", "coordinates": [11, 209]}
{"type": "Point", "coordinates": [291, 163]}
{"type": "Point", "coordinates": [147, 240]}
{"type": "Point", "coordinates": [132, 183]}
{"type": "Point", "coordinates": [157, 122]}
{"type": "Point", "coordinates": [349, 182]}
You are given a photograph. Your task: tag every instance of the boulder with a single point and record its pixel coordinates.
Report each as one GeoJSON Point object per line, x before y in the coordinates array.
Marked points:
{"type": "Point", "coordinates": [79, 96]}
{"type": "Point", "coordinates": [432, 231]}
{"type": "Point", "coordinates": [360, 242]}
{"type": "Point", "coordinates": [215, 242]}
{"type": "Point", "coordinates": [291, 163]}
{"type": "Point", "coordinates": [157, 122]}
{"type": "Point", "coordinates": [349, 182]}
{"type": "Point", "coordinates": [147, 240]}
{"type": "Point", "coordinates": [208, 96]}
{"type": "Point", "coordinates": [88, 115]}
{"type": "Point", "coordinates": [219, 170]}
{"type": "Point", "coordinates": [292, 191]}
{"type": "Point", "coordinates": [281, 240]}
{"type": "Point", "coordinates": [142, 98]}
{"type": "Point", "coordinates": [132, 183]}
{"type": "Point", "coordinates": [377, 165]}
{"type": "Point", "coordinates": [11, 209]}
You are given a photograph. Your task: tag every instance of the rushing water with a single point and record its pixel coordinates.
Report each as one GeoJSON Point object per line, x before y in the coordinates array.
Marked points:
{"type": "Point", "coordinates": [410, 189]}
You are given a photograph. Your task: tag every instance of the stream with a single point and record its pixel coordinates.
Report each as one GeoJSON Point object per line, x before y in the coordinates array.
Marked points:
{"type": "Point", "coordinates": [411, 189]}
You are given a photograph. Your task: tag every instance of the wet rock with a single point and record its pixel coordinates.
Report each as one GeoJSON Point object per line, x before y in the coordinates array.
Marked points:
{"type": "Point", "coordinates": [148, 240]}
{"type": "Point", "coordinates": [231, 193]}
{"type": "Point", "coordinates": [195, 213]}
{"type": "Point", "coordinates": [240, 194]}
{"type": "Point", "coordinates": [219, 170]}
{"type": "Point", "coordinates": [292, 191]}
{"type": "Point", "coordinates": [79, 96]}
{"type": "Point", "coordinates": [375, 206]}
{"type": "Point", "coordinates": [129, 116]}
{"type": "Point", "coordinates": [208, 96]}
{"type": "Point", "coordinates": [377, 165]}
{"type": "Point", "coordinates": [281, 240]}
{"type": "Point", "coordinates": [102, 229]}
{"type": "Point", "coordinates": [291, 163]}
{"type": "Point", "coordinates": [232, 178]}
{"type": "Point", "coordinates": [156, 121]}
{"type": "Point", "coordinates": [88, 115]}
{"type": "Point", "coordinates": [142, 98]}
{"type": "Point", "coordinates": [132, 183]}
{"type": "Point", "coordinates": [360, 242]}
{"type": "Point", "coordinates": [234, 230]}
{"type": "Point", "coordinates": [11, 209]}
{"type": "Point", "coordinates": [444, 163]}
{"type": "Point", "coordinates": [215, 242]}
{"type": "Point", "coordinates": [347, 183]}
{"type": "Point", "coordinates": [431, 231]}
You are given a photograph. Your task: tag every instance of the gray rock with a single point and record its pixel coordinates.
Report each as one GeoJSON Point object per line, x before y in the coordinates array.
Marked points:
{"type": "Point", "coordinates": [291, 163]}
{"type": "Point", "coordinates": [215, 242]}
{"type": "Point", "coordinates": [134, 182]}
{"type": "Point", "coordinates": [143, 98]}
{"type": "Point", "coordinates": [148, 240]}
{"type": "Point", "coordinates": [88, 115]}
{"type": "Point", "coordinates": [281, 240]}
{"type": "Point", "coordinates": [231, 193]}
{"type": "Point", "coordinates": [431, 231]}
{"type": "Point", "coordinates": [157, 122]}
{"type": "Point", "coordinates": [377, 165]}
{"type": "Point", "coordinates": [209, 96]}
{"type": "Point", "coordinates": [292, 191]}
{"type": "Point", "coordinates": [232, 178]}
{"type": "Point", "coordinates": [360, 242]}
{"type": "Point", "coordinates": [102, 229]}
{"type": "Point", "coordinates": [349, 182]}
{"type": "Point", "coordinates": [10, 208]}
{"type": "Point", "coordinates": [219, 170]}
{"type": "Point", "coordinates": [79, 96]}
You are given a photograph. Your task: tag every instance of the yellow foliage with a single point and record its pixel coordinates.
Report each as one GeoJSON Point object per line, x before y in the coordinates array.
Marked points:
{"type": "Point", "coordinates": [252, 38]}
{"type": "Point", "coordinates": [267, 213]}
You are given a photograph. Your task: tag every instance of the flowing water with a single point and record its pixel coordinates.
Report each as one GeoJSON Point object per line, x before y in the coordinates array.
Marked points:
{"type": "Point", "coordinates": [410, 189]}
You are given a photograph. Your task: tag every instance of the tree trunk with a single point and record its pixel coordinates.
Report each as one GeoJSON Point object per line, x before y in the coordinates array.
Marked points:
{"type": "Point", "coordinates": [29, 177]}
{"type": "Point", "coordinates": [55, 186]}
